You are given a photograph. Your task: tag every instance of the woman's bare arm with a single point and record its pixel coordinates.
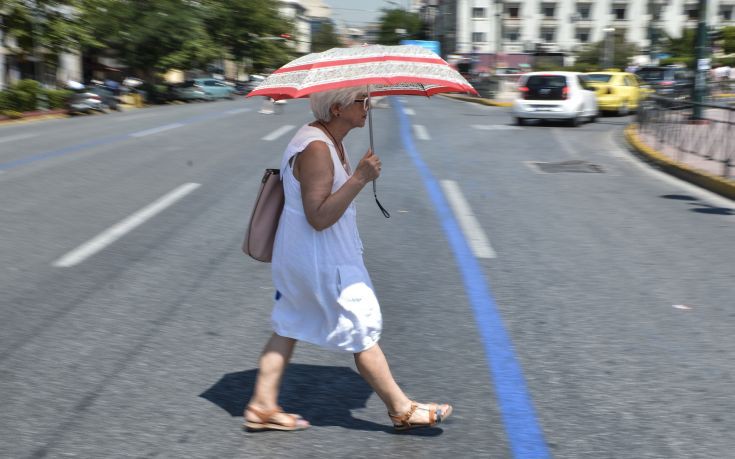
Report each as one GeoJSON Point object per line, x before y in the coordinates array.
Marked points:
{"type": "Point", "coordinates": [314, 169]}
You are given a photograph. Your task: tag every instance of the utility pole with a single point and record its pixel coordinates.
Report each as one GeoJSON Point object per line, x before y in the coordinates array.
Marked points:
{"type": "Point", "coordinates": [609, 55]}
{"type": "Point", "coordinates": [41, 96]}
{"type": "Point", "coordinates": [2, 54]}
{"type": "Point", "coordinates": [499, 30]}
{"type": "Point", "coordinates": [652, 32]}
{"type": "Point", "coordinates": [700, 81]}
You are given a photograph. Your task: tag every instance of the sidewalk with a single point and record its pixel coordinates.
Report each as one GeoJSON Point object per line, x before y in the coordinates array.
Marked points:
{"type": "Point", "coordinates": [696, 169]}
{"type": "Point", "coordinates": [29, 117]}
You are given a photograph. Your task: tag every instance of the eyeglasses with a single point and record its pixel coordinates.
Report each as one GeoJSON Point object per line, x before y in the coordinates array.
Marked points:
{"type": "Point", "coordinates": [365, 103]}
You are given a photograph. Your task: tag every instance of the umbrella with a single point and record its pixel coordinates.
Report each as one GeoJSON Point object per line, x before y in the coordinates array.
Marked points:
{"type": "Point", "coordinates": [384, 70]}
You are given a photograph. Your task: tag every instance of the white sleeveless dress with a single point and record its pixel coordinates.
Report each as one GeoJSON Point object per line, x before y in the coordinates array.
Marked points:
{"type": "Point", "coordinates": [324, 294]}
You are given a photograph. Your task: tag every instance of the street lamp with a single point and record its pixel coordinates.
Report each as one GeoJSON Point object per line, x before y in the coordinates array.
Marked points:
{"type": "Point", "coordinates": [609, 55]}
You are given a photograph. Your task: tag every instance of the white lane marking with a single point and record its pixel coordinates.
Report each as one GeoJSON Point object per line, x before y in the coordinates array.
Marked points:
{"type": "Point", "coordinates": [471, 228]}
{"type": "Point", "coordinates": [13, 138]}
{"type": "Point", "coordinates": [681, 306]}
{"type": "Point", "coordinates": [495, 127]}
{"type": "Point", "coordinates": [278, 132]}
{"type": "Point", "coordinates": [156, 130]}
{"type": "Point", "coordinates": [421, 132]}
{"type": "Point", "coordinates": [409, 111]}
{"type": "Point", "coordinates": [126, 225]}
{"type": "Point", "coordinates": [135, 117]}
{"type": "Point", "coordinates": [238, 110]}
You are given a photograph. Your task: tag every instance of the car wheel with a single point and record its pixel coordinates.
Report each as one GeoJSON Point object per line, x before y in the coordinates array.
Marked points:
{"type": "Point", "coordinates": [519, 121]}
{"type": "Point", "coordinates": [574, 122]}
{"type": "Point", "coordinates": [624, 110]}
{"type": "Point", "coordinates": [593, 118]}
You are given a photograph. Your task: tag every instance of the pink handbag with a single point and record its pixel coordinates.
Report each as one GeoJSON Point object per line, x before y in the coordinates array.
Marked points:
{"type": "Point", "coordinates": [264, 220]}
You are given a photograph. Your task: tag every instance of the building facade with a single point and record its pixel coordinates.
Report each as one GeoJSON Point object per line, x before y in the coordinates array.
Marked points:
{"type": "Point", "coordinates": [514, 26]}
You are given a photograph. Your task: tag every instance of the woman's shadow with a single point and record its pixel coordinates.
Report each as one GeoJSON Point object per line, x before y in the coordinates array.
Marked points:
{"type": "Point", "coordinates": [322, 395]}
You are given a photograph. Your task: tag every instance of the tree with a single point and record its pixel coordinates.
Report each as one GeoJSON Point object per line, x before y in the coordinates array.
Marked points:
{"type": "Point", "coordinates": [623, 51]}
{"type": "Point", "coordinates": [397, 24]}
{"type": "Point", "coordinates": [728, 40]}
{"type": "Point", "coordinates": [325, 38]}
{"type": "Point", "coordinates": [681, 47]}
{"type": "Point", "coordinates": [148, 36]}
{"type": "Point", "coordinates": [249, 29]}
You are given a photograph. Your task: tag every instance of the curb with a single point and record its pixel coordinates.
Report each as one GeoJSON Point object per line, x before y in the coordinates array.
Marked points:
{"type": "Point", "coordinates": [479, 100]}
{"type": "Point", "coordinates": [35, 116]}
{"type": "Point", "coordinates": [719, 185]}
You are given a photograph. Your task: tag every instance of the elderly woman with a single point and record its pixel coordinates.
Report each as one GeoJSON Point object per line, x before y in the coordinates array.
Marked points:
{"type": "Point", "coordinates": [324, 294]}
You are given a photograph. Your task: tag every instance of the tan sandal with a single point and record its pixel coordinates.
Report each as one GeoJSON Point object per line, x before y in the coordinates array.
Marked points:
{"type": "Point", "coordinates": [267, 421]}
{"type": "Point", "coordinates": [437, 414]}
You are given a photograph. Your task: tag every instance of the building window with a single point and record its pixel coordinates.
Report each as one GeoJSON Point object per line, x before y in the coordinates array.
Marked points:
{"type": "Point", "coordinates": [513, 11]}
{"type": "Point", "coordinates": [479, 37]}
{"type": "Point", "coordinates": [583, 10]}
{"type": "Point", "coordinates": [655, 9]}
{"type": "Point", "coordinates": [478, 13]}
{"type": "Point", "coordinates": [548, 10]}
{"type": "Point", "coordinates": [548, 35]}
{"type": "Point", "coordinates": [618, 12]}
{"type": "Point", "coordinates": [512, 35]}
{"type": "Point", "coordinates": [691, 12]}
{"type": "Point", "coordinates": [726, 12]}
{"type": "Point", "coordinates": [583, 35]}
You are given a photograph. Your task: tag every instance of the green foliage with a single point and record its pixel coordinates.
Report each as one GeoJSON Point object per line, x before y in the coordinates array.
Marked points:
{"type": "Point", "coordinates": [396, 19]}
{"type": "Point", "coordinates": [683, 46]}
{"type": "Point", "coordinates": [57, 97]}
{"type": "Point", "coordinates": [246, 28]}
{"type": "Point", "coordinates": [12, 114]}
{"type": "Point", "coordinates": [325, 38]}
{"type": "Point", "coordinates": [687, 61]}
{"type": "Point", "coordinates": [728, 40]}
{"type": "Point", "coordinates": [593, 55]}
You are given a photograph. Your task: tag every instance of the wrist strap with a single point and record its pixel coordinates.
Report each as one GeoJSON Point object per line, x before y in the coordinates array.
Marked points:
{"type": "Point", "coordinates": [386, 214]}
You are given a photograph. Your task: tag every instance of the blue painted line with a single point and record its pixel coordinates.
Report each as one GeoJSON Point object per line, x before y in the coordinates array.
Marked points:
{"type": "Point", "coordinates": [96, 143]}
{"type": "Point", "coordinates": [516, 408]}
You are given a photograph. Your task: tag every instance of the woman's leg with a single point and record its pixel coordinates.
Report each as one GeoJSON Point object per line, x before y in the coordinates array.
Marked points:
{"type": "Point", "coordinates": [271, 366]}
{"type": "Point", "coordinates": [373, 366]}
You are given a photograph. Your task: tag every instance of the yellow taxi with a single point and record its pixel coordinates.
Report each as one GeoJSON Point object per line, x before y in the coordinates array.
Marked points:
{"type": "Point", "coordinates": [618, 92]}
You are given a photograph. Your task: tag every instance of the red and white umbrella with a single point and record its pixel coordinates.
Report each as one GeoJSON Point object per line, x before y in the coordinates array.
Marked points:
{"type": "Point", "coordinates": [388, 70]}
{"type": "Point", "coordinates": [383, 70]}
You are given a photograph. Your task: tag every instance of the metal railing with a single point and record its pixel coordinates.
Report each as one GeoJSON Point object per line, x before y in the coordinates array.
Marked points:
{"type": "Point", "coordinates": [670, 123]}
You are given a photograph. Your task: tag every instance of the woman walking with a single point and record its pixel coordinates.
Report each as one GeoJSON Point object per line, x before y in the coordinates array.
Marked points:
{"type": "Point", "coordinates": [324, 294]}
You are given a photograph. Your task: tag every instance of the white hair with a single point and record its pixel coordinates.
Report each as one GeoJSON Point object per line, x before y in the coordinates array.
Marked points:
{"type": "Point", "coordinates": [322, 102]}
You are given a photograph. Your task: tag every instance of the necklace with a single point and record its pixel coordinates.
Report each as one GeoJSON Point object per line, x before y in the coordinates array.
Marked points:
{"type": "Point", "coordinates": [337, 145]}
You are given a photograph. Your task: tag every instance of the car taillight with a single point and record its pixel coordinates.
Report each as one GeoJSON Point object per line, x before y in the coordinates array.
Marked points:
{"type": "Point", "coordinates": [666, 83]}
{"type": "Point", "coordinates": [524, 91]}
{"type": "Point", "coordinates": [564, 92]}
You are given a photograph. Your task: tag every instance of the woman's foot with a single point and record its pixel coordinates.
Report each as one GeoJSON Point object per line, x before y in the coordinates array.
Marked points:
{"type": "Point", "coordinates": [421, 415]}
{"type": "Point", "coordinates": [274, 419]}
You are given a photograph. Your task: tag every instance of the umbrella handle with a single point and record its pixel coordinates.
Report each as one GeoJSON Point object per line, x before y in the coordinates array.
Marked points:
{"type": "Point", "coordinates": [386, 214]}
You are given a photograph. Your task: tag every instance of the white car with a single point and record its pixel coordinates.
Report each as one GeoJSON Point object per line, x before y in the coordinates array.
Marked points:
{"type": "Point", "coordinates": [555, 96]}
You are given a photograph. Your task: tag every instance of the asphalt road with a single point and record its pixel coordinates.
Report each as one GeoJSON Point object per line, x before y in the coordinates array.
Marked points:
{"type": "Point", "coordinates": [564, 314]}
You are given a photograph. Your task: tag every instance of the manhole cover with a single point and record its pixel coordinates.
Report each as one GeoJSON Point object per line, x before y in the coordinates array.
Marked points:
{"type": "Point", "coordinates": [574, 165]}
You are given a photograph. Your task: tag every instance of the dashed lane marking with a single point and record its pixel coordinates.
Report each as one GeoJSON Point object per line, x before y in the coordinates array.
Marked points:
{"type": "Point", "coordinates": [471, 228]}
{"type": "Point", "coordinates": [421, 132]}
{"type": "Point", "coordinates": [166, 127]}
{"type": "Point", "coordinates": [123, 227]}
{"type": "Point", "coordinates": [278, 132]}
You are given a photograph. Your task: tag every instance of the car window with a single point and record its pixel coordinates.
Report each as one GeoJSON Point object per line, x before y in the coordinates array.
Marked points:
{"type": "Point", "coordinates": [210, 83]}
{"type": "Point", "coordinates": [547, 81]}
{"type": "Point", "coordinates": [187, 84]}
{"type": "Point", "coordinates": [598, 77]}
{"type": "Point", "coordinates": [651, 74]}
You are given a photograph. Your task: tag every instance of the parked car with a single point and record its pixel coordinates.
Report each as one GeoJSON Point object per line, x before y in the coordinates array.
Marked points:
{"type": "Point", "coordinates": [617, 92]}
{"type": "Point", "coordinates": [189, 91]}
{"type": "Point", "coordinates": [253, 82]}
{"type": "Point", "coordinates": [669, 81]}
{"type": "Point", "coordinates": [92, 99]}
{"type": "Point", "coordinates": [217, 89]}
{"type": "Point", "coordinates": [555, 96]}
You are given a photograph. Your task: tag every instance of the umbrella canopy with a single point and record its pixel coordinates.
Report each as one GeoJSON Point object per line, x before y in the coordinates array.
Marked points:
{"type": "Point", "coordinates": [388, 70]}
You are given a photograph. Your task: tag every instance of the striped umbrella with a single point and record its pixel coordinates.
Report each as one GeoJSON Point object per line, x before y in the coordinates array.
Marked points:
{"type": "Point", "coordinates": [383, 70]}
{"type": "Point", "coordinates": [387, 70]}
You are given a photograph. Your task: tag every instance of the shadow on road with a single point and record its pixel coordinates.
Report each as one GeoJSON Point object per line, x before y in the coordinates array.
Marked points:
{"type": "Point", "coordinates": [323, 395]}
{"type": "Point", "coordinates": [703, 208]}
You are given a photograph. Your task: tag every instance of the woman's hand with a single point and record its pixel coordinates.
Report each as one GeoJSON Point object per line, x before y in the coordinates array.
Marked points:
{"type": "Point", "coordinates": [368, 169]}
